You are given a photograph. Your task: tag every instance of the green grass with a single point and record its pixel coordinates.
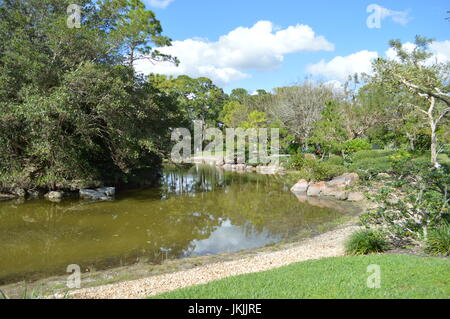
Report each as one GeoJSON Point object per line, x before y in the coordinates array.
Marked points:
{"type": "Point", "coordinates": [402, 276]}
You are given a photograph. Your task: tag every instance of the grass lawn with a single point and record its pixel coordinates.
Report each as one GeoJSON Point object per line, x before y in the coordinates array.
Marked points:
{"type": "Point", "coordinates": [402, 276]}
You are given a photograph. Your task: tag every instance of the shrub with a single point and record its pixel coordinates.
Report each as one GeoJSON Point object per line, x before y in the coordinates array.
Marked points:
{"type": "Point", "coordinates": [366, 241]}
{"type": "Point", "coordinates": [364, 154]}
{"type": "Point", "coordinates": [335, 160]}
{"type": "Point", "coordinates": [352, 146]}
{"type": "Point", "coordinates": [438, 241]}
{"type": "Point", "coordinates": [324, 171]}
{"type": "Point", "coordinates": [369, 167]}
{"type": "Point", "coordinates": [311, 169]}
{"type": "Point", "coordinates": [422, 208]}
{"type": "Point", "coordinates": [300, 160]}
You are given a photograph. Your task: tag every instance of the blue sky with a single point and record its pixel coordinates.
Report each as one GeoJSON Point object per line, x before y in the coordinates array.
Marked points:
{"type": "Point", "coordinates": [311, 35]}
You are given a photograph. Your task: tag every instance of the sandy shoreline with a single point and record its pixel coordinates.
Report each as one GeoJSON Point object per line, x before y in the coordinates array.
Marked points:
{"type": "Point", "coordinates": [329, 244]}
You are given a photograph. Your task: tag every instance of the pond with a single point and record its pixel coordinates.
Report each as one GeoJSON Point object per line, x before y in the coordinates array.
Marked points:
{"type": "Point", "coordinates": [194, 211]}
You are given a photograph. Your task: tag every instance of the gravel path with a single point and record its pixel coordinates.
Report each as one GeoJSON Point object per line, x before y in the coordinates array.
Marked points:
{"type": "Point", "coordinates": [325, 245]}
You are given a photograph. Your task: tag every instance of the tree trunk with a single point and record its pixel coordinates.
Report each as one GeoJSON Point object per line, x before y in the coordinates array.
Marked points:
{"type": "Point", "coordinates": [412, 139]}
{"type": "Point", "coordinates": [434, 144]}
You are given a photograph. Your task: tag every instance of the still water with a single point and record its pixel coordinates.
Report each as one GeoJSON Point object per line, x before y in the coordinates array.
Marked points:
{"type": "Point", "coordinates": [195, 211]}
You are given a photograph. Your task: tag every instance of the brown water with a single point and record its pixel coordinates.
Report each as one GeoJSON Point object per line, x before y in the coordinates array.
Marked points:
{"type": "Point", "coordinates": [195, 211]}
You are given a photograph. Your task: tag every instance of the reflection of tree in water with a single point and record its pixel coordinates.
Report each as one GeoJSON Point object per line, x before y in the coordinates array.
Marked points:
{"type": "Point", "coordinates": [199, 178]}
{"type": "Point", "coordinates": [40, 238]}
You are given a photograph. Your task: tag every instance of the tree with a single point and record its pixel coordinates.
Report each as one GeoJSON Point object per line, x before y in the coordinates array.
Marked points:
{"type": "Point", "coordinates": [363, 107]}
{"type": "Point", "coordinates": [134, 29]}
{"type": "Point", "coordinates": [427, 82]}
{"type": "Point", "coordinates": [234, 114]}
{"type": "Point", "coordinates": [73, 111]}
{"type": "Point", "coordinates": [299, 107]}
{"type": "Point", "coordinates": [198, 99]}
{"type": "Point", "coordinates": [329, 132]}
{"type": "Point", "coordinates": [239, 95]}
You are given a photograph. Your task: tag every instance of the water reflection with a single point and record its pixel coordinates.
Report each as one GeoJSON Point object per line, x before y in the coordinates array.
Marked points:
{"type": "Point", "coordinates": [195, 211]}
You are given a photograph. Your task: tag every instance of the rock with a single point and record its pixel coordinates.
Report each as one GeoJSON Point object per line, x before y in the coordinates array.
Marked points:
{"type": "Point", "coordinates": [34, 193]}
{"type": "Point", "coordinates": [19, 192]}
{"type": "Point", "coordinates": [315, 189]}
{"type": "Point", "coordinates": [355, 196]}
{"type": "Point", "coordinates": [335, 192]}
{"type": "Point", "coordinates": [240, 167]}
{"type": "Point", "coordinates": [269, 169]}
{"type": "Point", "coordinates": [250, 168]}
{"type": "Point", "coordinates": [102, 193]}
{"type": "Point", "coordinates": [344, 180]}
{"type": "Point", "coordinates": [300, 187]}
{"type": "Point", "coordinates": [6, 196]}
{"type": "Point", "coordinates": [54, 195]}
{"type": "Point", "coordinates": [227, 167]}
{"type": "Point", "coordinates": [108, 191]}
{"type": "Point", "coordinates": [383, 175]}
{"type": "Point", "coordinates": [340, 195]}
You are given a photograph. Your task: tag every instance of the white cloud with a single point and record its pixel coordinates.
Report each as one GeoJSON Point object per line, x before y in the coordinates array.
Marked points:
{"type": "Point", "coordinates": [335, 85]}
{"type": "Point", "coordinates": [261, 47]}
{"type": "Point", "coordinates": [160, 3]}
{"type": "Point", "coordinates": [400, 17]}
{"type": "Point", "coordinates": [439, 49]}
{"type": "Point", "coordinates": [340, 67]}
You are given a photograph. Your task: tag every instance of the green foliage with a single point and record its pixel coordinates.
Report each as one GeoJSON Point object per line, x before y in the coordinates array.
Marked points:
{"type": "Point", "coordinates": [196, 98]}
{"type": "Point", "coordinates": [352, 146]}
{"type": "Point", "coordinates": [255, 119]}
{"type": "Point", "coordinates": [365, 154]}
{"type": "Point", "coordinates": [329, 132]}
{"type": "Point", "coordinates": [422, 208]}
{"type": "Point", "coordinates": [368, 163]}
{"type": "Point", "coordinates": [335, 160]}
{"type": "Point", "coordinates": [365, 242]}
{"type": "Point", "coordinates": [299, 160]}
{"type": "Point", "coordinates": [74, 112]}
{"type": "Point", "coordinates": [311, 169]}
{"type": "Point", "coordinates": [369, 167]}
{"type": "Point", "coordinates": [438, 241]}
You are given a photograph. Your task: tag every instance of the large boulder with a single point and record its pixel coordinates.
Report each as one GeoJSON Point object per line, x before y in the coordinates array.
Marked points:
{"type": "Point", "coordinates": [344, 180]}
{"type": "Point", "coordinates": [269, 169]}
{"type": "Point", "coordinates": [335, 192]}
{"type": "Point", "coordinates": [54, 196]}
{"type": "Point", "coordinates": [6, 196]}
{"type": "Point", "coordinates": [300, 187]}
{"type": "Point", "coordinates": [355, 196]}
{"type": "Point", "coordinates": [20, 192]}
{"type": "Point", "coordinates": [315, 189]}
{"type": "Point", "coordinates": [102, 193]}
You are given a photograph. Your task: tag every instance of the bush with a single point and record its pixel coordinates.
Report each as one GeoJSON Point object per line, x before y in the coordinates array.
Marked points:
{"type": "Point", "coordinates": [438, 241]}
{"type": "Point", "coordinates": [324, 171]}
{"type": "Point", "coordinates": [366, 241]}
{"type": "Point", "coordinates": [335, 160]}
{"type": "Point", "coordinates": [422, 207]}
{"type": "Point", "coordinates": [312, 169]}
{"type": "Point", "coordinates": [368, 167]}
{"type": "Point", "coordinates": [299, 161]}
{"type": "Point", "coordinates": [365, 154]}
{"type": "Point", "coordinates": [352, 146]}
